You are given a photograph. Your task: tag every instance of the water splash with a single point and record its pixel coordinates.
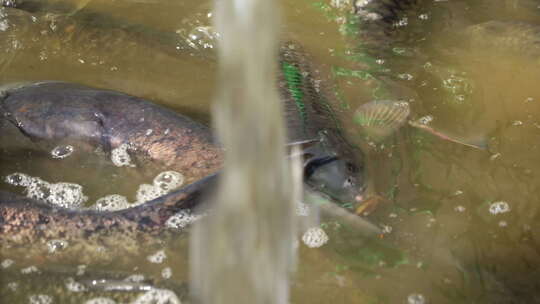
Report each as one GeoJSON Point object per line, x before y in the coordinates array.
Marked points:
{"type": "Point", "coordinates": [243, 251]}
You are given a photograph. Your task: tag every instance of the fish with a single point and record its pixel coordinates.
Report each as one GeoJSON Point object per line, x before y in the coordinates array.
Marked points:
{"type": "Point", "coordinates": [332, 165]}
{"type": "Point", "coordinates": [47, 114]}
{"type": "Point", "coordinates": [308, 107]}
{"type": "Point", "coordinates": [379, 119]}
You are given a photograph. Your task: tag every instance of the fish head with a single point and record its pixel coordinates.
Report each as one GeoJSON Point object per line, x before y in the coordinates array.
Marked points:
{"type": "Point", "coordinates": [341, 179]}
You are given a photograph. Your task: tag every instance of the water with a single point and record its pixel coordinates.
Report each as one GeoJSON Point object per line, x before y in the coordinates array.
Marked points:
{"type": "Point", "coordinates": [442, 244]}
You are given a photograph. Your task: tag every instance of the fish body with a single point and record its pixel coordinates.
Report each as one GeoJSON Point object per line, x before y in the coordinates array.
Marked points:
{"type": "Point", "coordinates": [333, 165]}
{"type": "Point", "coordinates": [43, 115]}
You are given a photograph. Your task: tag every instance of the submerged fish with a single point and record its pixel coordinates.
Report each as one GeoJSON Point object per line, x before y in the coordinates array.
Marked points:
{"type": "Point", "coordinates": [43, 115]}
{"type": "Point", "coordinates": [380, 118]}
{"type": "Point", "coordinates": [307, 105]}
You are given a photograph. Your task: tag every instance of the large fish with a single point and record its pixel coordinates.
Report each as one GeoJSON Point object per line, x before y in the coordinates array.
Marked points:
{"type": "Point", "coordinates": [43, 115]}
{"type": "Point", "coordinates": [308, 106]}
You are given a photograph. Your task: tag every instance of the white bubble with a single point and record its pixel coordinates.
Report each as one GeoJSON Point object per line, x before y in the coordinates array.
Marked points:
{"type": "Point", "coordinates": [416, 298]}
{"type": "Point", "coordinates": [40, 299]}
{"type": "Point", "coordinates": [315, 237]}
{"type": "Point", "coordinates": [81, 269]}
{"type": "Point", "coordinates": [158, 296]}
{"type": "Point", "coordinates": [157, 257]}
{"type": "Point", "coordinates": [148, 192]}
{"type": "Point", "coordinates": [135, 278]}
{"type": "Point", "coordinates": [459, 208]}
{"type": "Point", "coordinates": [30, 269]}
{"type": "Point", "coordinates": [63, 151]}
{"type": "Point", "coordinates": [18, 179]}
{"type": "Point", "coordinates": [111, 203]}
{"type": "Point", "coordinates": [149, 132]}
{"type": "Point", "coordinates": [166, 273]}
{"type": "Point", "coordinates": [100, 301]}
{"type": "Point", "coordinates": [74, 286]}
{"type": "Point", "coordinates": [56, 245]}
{"type": "Point", "coordinates": [168, 180]}
{"type": "Point", "coordinates": [120, 156]}
{"type": "Point", "coordinates": [67, 195]}
{"type": "Point", "coordinates": [499, 207]}
{"type": "Point", "coordinates": [181, 220]}
{"type": "Point", "coordinates": [7, 263]}
{"type": "Point", "coordinates": [13, 286]}
{"type": "Point", "coordinates": [386, 229]}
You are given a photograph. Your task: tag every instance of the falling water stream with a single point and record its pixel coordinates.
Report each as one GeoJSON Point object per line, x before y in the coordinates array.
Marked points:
{"type": "Point", "coordinates": [243, 252]}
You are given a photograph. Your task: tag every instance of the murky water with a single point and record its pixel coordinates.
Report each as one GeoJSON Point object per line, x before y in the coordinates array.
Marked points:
{"type": "Point", "coordinates": [461, 225]}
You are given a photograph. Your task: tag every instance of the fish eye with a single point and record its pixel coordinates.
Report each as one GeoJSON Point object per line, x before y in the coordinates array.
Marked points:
{"type": "Point", "coordinates": [351, 168]}
{"type": "Point", "coordinates": [348, 182]}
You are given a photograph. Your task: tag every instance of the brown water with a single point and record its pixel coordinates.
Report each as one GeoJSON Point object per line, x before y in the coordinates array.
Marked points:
{"type": "Point", "coordinates": [462, 224]}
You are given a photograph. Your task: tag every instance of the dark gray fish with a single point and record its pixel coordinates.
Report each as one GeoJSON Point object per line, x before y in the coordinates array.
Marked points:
{"type": "Point", "coordinates": [333, 165]}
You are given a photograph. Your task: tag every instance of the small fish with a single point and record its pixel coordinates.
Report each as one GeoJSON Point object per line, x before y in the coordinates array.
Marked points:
{"type": "Point", "coordinates": [480, 144]}
{"type": "Point", "coordinates": [380, 118]}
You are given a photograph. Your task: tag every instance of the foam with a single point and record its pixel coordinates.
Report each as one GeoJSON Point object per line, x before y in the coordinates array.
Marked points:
{"type": "Point", "coordinates": [315, 237]}
{"type": "Point", "coordinates": [120, 156]}
{"type": "Point", "coordinates": [158, 296]}
{"type": "Point", "coordinates": [56, 245]}
{"type": "Point", "coordinates": [111, 203]}
{"type": "Point", "coordinates": [74, 286]}
{"type": "Point", "coordinates": [63, 151]}
{"type": "Point", "coordinates": [163, 183]}
{"type": "Point", "coordinates": [181, 220]}
{"type": "Point", "coordinates": [7, 263]}
{"type": "Point", "coordinates": [67, 195]}
{"type": "Point", "coordinates": [40, 299]}
{"type": "Point", "coordinates": [166, 273]}
{"type": "Point", "coordinates": [100, 300]}
{"type": "Point", "coordinates": [157, 257]}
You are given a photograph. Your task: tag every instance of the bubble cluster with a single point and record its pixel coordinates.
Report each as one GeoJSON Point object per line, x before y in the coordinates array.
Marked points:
{"type": "Point", "coordinates": [63, 151]}
{"type": "Point", "coordinates": [111, 203]}
{"type": "Point", "coordinates": [416, 298]}
{"type": "Point", "coordinates": [56, 245]}
{"type": "Point", "coordinates": [158, 296]}
{"type": "Point", "coordinates": [40, 299]}
{"type": "Point", "coordinates": [166, 273]}
{"type": "Point", "coordinates": [13, 286]}
{"type": "Point", "coordinates": [499, 207]}
{"type": "Point", "coordinates": [157, 257]}
{"type": "Point", "coordinates": [120, 156]}
{"type": "Point", "coordinates": [135, 278]}
{"type": "Point", "coordinates": [100, 300]}
{"type": "Point", "coordinates": [202, 37]}
{"type": "Point", "coordinates": [315, 237]}
{"type": "Point", "coordinates": [4, 25]}
{"type": "Point", "coordinates": [29, 269]}
{"type": "Point", "coordinates": [67, 195]}
{"type": "Point", "coordinates": [7, 263]}
{"type": "Point", "coordinates": [181, 220]}
{"type": "Point", "coordinates": [163, 183]}
{"type": "Point", "coordinates": [74, 286]}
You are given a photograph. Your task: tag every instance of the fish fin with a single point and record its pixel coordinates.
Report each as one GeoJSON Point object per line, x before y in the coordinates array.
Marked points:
{"type": "Point", "coordinates": [380, 118]}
